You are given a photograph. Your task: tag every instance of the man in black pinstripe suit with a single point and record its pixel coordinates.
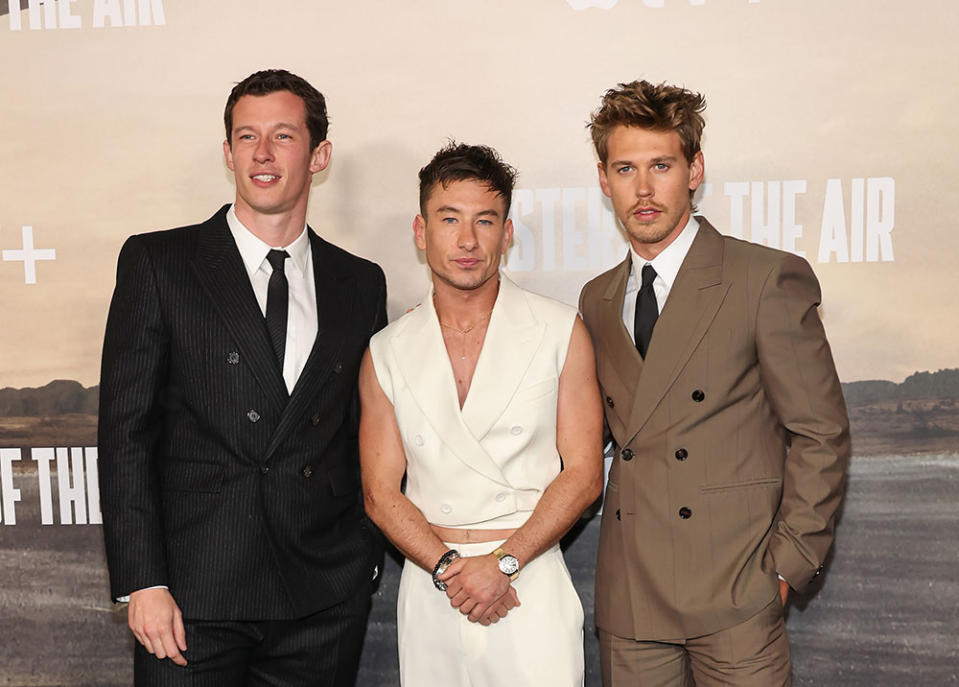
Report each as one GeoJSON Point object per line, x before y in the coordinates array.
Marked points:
{"type": "Point", "coordinates": [228, 418]}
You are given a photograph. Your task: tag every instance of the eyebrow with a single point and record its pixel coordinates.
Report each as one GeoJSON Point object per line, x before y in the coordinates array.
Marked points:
{"type": "Point", "coordinates": [481, 213]}
{"type": "Point", "coordinates": [654, 161]}
{"type": "Point", "coordinates": [250, 127]}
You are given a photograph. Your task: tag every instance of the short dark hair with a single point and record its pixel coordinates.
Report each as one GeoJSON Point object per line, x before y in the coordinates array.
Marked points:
{"type": "Point", "coordinates": [462, 162]}
{"type": "Point", "coordinates": [273, 80]}
{"type": "Point", "coordinates": [660, 107]}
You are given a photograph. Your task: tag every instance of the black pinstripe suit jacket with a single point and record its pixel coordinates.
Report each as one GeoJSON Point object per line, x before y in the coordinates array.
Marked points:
{"type": "Point", "coordinates": [241, 498]}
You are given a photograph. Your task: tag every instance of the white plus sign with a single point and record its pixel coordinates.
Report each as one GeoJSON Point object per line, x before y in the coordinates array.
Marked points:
{"type": "Point", "coordinates": [29, 255]}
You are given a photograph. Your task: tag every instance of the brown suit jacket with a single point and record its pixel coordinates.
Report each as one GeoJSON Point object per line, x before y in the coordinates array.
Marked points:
{"type": "Point", "coordinates": [732, 441]}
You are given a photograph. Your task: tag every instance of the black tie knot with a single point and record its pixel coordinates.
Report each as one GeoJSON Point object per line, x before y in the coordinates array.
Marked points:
{"type": "Point", "coordinates": [649, 276]}
{"type": "Point", "coordinates": [276, 258]}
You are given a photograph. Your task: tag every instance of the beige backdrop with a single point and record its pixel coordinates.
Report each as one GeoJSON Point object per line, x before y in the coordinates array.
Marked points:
{"type": "Point", "coordinates": [114, 130]}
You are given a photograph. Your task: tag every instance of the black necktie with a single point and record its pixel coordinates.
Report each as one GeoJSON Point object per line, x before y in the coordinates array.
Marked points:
{"type": "Point", "coordinates": [646, 311]}
{"type": "Point", "coordinates": [277, 303]}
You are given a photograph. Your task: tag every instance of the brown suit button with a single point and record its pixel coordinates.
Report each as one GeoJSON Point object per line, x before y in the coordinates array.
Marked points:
{"type": "Point", "coordinates": [685, 513]}
{"type": "Point", "coordinates": [698, 395]}
{"type": "Point", "coordinates": [308, 471]}
{"type": "Point", "coordinates": [627, 454]}
{"type": "Point", "coordinates": [682, 454]}
{"type": "Point", "coordinates": [609, 401]}
{"type": "Point", "coordinates": [315, 419]}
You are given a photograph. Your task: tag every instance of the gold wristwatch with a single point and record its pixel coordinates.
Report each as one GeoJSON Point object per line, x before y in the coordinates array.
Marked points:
{"type": "Point", "coordinates": [508, 565]}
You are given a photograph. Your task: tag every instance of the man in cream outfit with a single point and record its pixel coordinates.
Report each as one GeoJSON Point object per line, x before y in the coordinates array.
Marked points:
{"type": "Point", "coordinates": [726, 412]}
{"type": "Point", "coordinates": [485, 397]}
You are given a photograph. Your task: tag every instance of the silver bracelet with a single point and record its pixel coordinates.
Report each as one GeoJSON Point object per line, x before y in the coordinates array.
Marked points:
{"type": "Point", "coordinates": [441, 565]}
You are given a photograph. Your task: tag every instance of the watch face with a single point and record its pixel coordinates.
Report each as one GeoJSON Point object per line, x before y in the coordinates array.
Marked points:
{"type": "Point", "coordinates": [508, 564]}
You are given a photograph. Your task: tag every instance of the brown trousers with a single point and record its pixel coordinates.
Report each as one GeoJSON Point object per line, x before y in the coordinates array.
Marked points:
{"type": "Point", "coordinates": [754, 653]}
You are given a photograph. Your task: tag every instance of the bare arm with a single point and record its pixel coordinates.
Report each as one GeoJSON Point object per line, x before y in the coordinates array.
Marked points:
{"type": "Point", "coordinates": [382, 464]}
{"type": "Point", "coordinates": [579, 434]}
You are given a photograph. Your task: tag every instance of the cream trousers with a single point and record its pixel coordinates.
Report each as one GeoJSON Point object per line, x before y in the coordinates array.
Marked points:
{"type": "Point", "coordinates": [538, 644]}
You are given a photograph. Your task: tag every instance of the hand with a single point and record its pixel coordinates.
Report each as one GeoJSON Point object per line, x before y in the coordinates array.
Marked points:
{"type": "Point", "coordinates": [157, 623]}
{"type": "Point", "coordinates": [501, 607]}
{"type": "Point", "coordinates": [474, 584]}
{"type": "Point", "coordinates": [783, 591]}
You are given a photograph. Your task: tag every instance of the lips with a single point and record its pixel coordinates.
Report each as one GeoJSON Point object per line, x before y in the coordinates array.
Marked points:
{"type": "Point", "coordinates": [647, 213]}
{"type": "Point", "coordinates": [466, 262]}
{"type": "Point", "coordinates": [264, 179]}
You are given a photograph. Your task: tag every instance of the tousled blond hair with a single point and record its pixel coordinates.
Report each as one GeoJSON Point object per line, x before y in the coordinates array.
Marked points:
{"type": "Point", "coordinates": [650, 106]}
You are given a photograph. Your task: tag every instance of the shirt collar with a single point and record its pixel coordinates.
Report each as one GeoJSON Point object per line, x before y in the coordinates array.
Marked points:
{"type": "Point", "coordinates": [668, 262]}
{"type": "Point", "coordinates": [253, 250]}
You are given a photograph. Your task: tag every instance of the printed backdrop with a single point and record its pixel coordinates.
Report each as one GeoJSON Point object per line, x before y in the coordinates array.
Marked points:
{"type": "Point", "coordinates": [829, 133]}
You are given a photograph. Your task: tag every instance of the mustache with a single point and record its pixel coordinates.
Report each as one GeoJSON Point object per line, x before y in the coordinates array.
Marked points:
{"type": "Point", "coordinates": [646, 206]}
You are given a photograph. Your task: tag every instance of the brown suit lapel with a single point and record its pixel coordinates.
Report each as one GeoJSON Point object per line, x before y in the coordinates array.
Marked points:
{"type": "Point", "coordinates": [616, 341]}
{"type": "Point", "coordinates": [691, 306]}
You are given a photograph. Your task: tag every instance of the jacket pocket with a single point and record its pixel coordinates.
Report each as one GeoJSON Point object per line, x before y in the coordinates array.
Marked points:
{"type": "Point", "coordinates": [535, 391]}
{"type": "Point", "coordinates": [192, 475]}
{"type": "Point", "coordinates": [733, 486]}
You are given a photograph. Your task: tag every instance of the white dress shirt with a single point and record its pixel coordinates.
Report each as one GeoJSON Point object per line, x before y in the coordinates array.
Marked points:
{"type": "Point", "coordinates": [667, 266]}
{"type": "Point", "coordinates": [301, 322]}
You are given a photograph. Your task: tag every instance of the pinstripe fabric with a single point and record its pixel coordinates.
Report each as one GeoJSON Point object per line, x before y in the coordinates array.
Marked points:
{"type": "Point", "coordinates": [242, 499]}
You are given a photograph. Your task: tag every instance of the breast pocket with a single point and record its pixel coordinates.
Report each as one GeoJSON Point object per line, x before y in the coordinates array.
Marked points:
{"type": "Point", "coordinates": [535, 391]}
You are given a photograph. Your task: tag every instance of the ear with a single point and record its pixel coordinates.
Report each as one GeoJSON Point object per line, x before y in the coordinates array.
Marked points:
{"type": "Point", "coordinates": [419, 231]}
{"type": "Point", "coordinates": [603, 181]}
{"type": "Point", "coordinates": [320, 157]}
{"type": "Point", "coordinates": [228, 155]}
{"type": "Point", "coordinates": [697, 169]}
{"type": "Point", "coordinates": [507, 235]}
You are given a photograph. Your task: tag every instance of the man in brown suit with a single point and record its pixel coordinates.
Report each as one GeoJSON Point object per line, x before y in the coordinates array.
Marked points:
{"type": "Point", "coordinates": [726, 415]}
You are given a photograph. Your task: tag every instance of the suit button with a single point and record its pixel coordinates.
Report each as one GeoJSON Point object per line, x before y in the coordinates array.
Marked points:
{"type": "Point", "coordinates": [418, 440]}
{"type": "Point", "coordinates": [500, 497]}
{"type": "Point", "coordinates": [682, 454]}
{"type": "Point", "coordinates": [627, 454]}
{"type": "Point", "coordinates": [685, 513]}
{"type": "Point", "coordinates": [446, 508]}
{"type": "Point", "coordinates": [515, 429]}
{"type": "Point", "coordinates": [315, 419]}
{"type": "Point", "coordinates": [609, 401]}
{"type": "Point", "coordinates": [264, 469]}
{"type": "Point", "coordinates": [233, 358]}
{"type": "Point", "coordinates": [308, 471]}
{"type": "Point", "coordinates": [818, 571]}
{"type": "Point", "coordinates": [338, 368]}
{"type": "Point", "coordinates": [253, 416]}
{"type": "Point", "coordinates": [698, 395]}
{"type": "Point", "coordinates": [617, 514]}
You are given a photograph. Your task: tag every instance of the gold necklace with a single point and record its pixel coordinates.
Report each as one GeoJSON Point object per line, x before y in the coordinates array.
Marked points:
{"type": "Point", "coordinates": [466, 331]}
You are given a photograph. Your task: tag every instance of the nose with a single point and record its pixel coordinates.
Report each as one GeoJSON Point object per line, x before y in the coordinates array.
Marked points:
{"type": "Point", "coordinates": [467, 236]}
{"type": "Point", "coordinates": [264, 150]}
{"type": "Point", "coordinates": [644, 189]}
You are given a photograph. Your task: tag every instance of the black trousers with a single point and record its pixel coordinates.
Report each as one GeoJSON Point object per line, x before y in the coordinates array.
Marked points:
{"type": "Point", "coordinates": [320, 650]}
